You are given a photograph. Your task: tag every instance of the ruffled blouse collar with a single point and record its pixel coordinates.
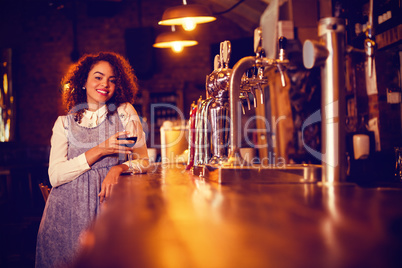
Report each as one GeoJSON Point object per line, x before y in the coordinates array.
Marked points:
{"type": "Point", "coordinates": [93, 116]}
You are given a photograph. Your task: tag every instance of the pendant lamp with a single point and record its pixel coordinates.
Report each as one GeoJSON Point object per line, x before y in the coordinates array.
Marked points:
{"type": "Point", "coordinates": [187, 15]}
{"type": "Point", "coordinates": [174, 40]}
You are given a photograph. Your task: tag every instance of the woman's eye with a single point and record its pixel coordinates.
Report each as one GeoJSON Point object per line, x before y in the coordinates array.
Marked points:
{"type": "Point", "coordinates": [113, 81]}
{"type": "Point", "coordinates": [98, 78]}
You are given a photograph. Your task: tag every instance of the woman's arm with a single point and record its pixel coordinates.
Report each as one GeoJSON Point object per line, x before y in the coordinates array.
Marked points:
{"type": "Point", "coordinates": [62, 170]}
{"type": "Point", "coordinates": [110, 180]}
{"type": "Point", "coordinates": [140, 161]}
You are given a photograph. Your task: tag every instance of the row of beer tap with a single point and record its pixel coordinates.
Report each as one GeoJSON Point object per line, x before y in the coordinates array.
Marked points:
{"type": "Point", "coordinates": [215, 123]}
{"type": "Point", "coordinates": [214, 137]}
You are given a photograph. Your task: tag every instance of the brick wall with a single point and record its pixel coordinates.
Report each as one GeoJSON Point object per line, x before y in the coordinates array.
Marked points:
{"type": "Point", "coordinates": [41, 37]}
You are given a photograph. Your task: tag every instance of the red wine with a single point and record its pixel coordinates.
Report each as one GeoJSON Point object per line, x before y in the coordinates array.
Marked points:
{"type": "Point", "coordinates": [128, 139]}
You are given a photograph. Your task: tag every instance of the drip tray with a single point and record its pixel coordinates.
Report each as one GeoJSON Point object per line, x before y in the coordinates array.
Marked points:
{"type": "Point", "coordinates": [261, 174]}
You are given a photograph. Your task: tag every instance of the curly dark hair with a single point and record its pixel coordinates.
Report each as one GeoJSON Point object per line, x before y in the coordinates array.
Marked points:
{"type": "Point", "coordinates": [75, 98]}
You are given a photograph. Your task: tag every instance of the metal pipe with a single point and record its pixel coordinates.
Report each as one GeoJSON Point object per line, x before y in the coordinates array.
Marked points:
{"type": "Point", "coordinates": [207, 140]}
{"type": "Point", "coordinates": [219, 114]}
{"type": "Point", "coordinates": [234, 91]}
{"type": "Point", "coordinates": [332, 33]}
{"type": "Point", "coordinates": [329, 54]}
{"type": "Point", "coordinates": [198, 134]}
{"type": "Point", "coordinates": [369, 42]}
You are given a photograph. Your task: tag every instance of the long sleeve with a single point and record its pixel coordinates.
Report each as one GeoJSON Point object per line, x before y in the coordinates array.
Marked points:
{"type": "Point", "coordinates": [62, 170]}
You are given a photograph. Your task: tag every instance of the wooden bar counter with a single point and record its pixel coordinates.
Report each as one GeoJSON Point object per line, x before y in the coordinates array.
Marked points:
{"type": "Point", "coordinates": [170, 218]}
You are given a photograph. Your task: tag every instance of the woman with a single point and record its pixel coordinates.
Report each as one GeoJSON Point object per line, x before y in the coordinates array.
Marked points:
{"type": "Point", "coordinates": [86, 157]}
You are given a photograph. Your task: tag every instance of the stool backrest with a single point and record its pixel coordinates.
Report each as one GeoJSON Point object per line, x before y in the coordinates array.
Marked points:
{"type": "Point", "coordinates": [45, 190]}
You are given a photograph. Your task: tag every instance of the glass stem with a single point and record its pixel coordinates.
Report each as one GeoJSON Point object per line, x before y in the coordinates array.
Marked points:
{"type": "Point", "coordinates": [130, 158]}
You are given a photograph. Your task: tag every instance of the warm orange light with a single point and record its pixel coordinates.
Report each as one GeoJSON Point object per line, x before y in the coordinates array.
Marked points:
{"type": "Point", "coordinates": [177, 47]}
{"type": "Point", "coordinates": [174, 40]}
{"type": "Point", "coordinates": [186, 15]}
{"type": "Point", "coordinates": [189, 24]}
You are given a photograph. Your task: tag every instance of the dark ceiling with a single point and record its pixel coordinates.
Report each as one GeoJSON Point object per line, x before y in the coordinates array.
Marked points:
{"type": "Point", "coordinates": [245, 13]}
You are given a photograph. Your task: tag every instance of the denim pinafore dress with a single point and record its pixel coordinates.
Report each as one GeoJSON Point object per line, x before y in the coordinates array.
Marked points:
{"type": "Point", "coordinates": [71, 207]}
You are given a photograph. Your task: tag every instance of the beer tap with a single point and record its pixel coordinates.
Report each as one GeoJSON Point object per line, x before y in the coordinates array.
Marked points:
{"type": "Point", "coordinates": [369, 42]}
{"type": "Point", "coordinates": [236, 84]}
{"type": "Point", "coordinates": [217, 110]}
{"type": "Point", "coordinates": [244, 96]}
{"type": "Point", "coordinates": [282, 55]}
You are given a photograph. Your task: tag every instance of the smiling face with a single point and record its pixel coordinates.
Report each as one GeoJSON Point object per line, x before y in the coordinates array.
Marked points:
{"type": "Point", "coordinates": [100, 85]}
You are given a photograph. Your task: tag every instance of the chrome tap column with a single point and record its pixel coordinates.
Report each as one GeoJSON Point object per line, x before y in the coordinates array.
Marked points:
{"type": "Point", "coordinates": [225, 87]}
{"type": "Point", "coordinates": [212, 115]}
{"type": "Point", "coordinates": [369, 42]}
{"type": "Point", "coordinates": [217, 86]}
{"type": "Point", "coordinates": [236, 83]}
{"type": "Point", "coordinates": [329, 53]}
{"type": "Point", "coordinates": [235, 131]}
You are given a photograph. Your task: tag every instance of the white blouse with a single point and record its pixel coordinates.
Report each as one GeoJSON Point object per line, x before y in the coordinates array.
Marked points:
{"type": "Point", "coordinates": [62, 170]}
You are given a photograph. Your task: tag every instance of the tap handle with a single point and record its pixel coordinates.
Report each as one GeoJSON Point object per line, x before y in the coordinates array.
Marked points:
{"type": "Point", "coordinates": [221, 56]}
{"type": "Point", "coordinates": [282, 46]}
{"type": "Point", "coordinates": [281, 70]}
{"type": "Point", "coordinates": [244, 95]}
{"type": "Point", "coordinates": [282, 42]}
{"type": "Point", "coordinates": [369, 47]}
{"type": "Point", "coordinates": [258, 40]}
{"type": "Point", "coordinates": [262, 95]}
{"type": "Point", "coordinates": [248, 102]}
{"type": "Point", "coordinates": [242, 106]}
{"type": "Point", "coordinates": [254, 71]}
{"type": "Point", "coordinates": [252, 91]}
{"type": "Point", "coordinates": [217, 62]}
{"type": "Point", "coordinates": [227, 50]}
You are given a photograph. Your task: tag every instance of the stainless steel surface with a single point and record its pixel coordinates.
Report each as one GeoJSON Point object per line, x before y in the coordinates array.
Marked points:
{"type": "Point", "coordinates": [206, 145]}
{"type": "Point", "coordinates": [212, 118]}
{"type": "Point", "coordinates": [369, 42]}
{"type": "Point", "coordinates": [234, 91]}
{"type": "Point", "coordinates": [263, 174]}
{"type": "Point", "coordinates": [198, 134]}
{"type": "Point", "coordinates": [220, 122]}
{"type": "Point", "coordinates": [235, 84]}
{"type": "Point", "coordinates": [225, 87]}
{"type": "Point", "coordinates": [331, 32]}
{"type": "Point", "coordinates": [201, 134]}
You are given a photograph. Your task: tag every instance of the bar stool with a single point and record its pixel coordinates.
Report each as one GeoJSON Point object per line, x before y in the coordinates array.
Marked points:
{"type": "Point", "coordinates": [45, 190]}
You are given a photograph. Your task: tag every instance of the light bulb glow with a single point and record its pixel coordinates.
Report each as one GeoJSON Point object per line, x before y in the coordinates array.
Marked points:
{"type": "Point", "coordinates": [177, 47]}
{"type": "Point", "coordinates": [189, 24]}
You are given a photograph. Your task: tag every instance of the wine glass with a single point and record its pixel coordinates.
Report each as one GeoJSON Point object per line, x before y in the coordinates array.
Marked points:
{"type": "Point", "coordinates": [130, 128]}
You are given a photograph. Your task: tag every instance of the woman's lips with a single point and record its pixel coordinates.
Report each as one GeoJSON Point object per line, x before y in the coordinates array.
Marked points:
{"type": "Point", "coordinates": [103, 92]}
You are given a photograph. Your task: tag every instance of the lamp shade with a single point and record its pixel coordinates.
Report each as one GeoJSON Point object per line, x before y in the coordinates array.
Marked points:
{"type": "Point", "coordinates": [185, 14]}
{"type": "Point", "coordinates": [174, 40]}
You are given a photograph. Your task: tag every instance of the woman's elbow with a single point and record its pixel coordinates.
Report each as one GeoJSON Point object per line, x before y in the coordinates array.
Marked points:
{"type": "Point", "coordinates": [54, 177]}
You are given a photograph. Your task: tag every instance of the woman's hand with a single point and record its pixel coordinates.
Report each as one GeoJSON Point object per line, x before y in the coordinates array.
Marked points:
{"type": "Point", "coordinates": [110, 180]}
{"type": "Point", "coordinates": [109, 146]}
{"type": "Point", "coordinates": [115, 146]}
{"type": "Point", "coordinates": [141, 166]}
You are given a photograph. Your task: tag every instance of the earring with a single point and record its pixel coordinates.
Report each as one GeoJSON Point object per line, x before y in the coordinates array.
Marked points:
{"type": "Point", "coordinates": [83, 88]}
